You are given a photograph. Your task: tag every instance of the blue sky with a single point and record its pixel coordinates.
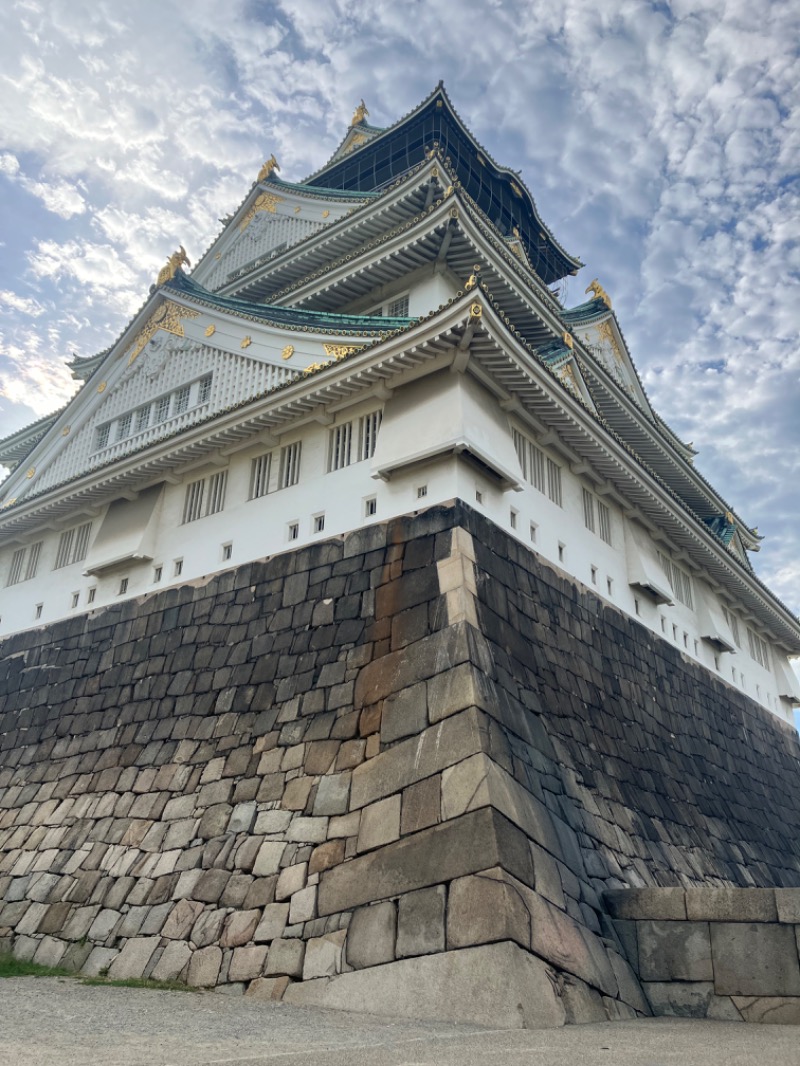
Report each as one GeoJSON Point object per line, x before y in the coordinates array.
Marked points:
{"type": "Point", "coordinates": [660, 140]}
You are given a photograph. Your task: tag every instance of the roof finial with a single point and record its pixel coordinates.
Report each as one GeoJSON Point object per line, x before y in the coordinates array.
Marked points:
{"type": "Point", "coordinates": [174, 263]}
{"type": "Point", "coordinates": [599, 292]}
{"type": "Point", "coordinates": [359, 114]}
{"type": "Point", "coordinates": [266, 171]}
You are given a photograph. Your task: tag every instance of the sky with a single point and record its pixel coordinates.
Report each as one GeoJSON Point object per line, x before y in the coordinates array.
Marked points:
{"type": "Point", "coordinates": [661, 141]}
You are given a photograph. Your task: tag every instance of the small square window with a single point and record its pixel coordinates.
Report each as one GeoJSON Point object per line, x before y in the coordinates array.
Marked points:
{"type": "Point", "coordinates": [478, 496]}
{"type": "Point", "coordinates": [594, 575]}
{"type": "Point", "coordinates": [534, 529]}
{"type": "Point", "coordinates": [123, 586]}
{"type": "Point", "coordinates": [685, 639]}
{"type": "Point", "coordinates": [513, 518]}
{"type": "Point", "coordinates": [561, 550]}
{"type": "Point", "coordinates": [422, 490]}
{"type": "Point", "coordinates": [675, 633]}
{"type": "Point", "coordinates": [370, 506]}
{"type": "Point", "coordinates": [39, 607]}
{"type": "Point", "coordinates": [609, 586]}
{"type": "Point", "coordinates": [158, 573]}
{"type": "Point", "coordinates": [318, 523]}
{"type": "Point", "coordinates": [294, 530]}
{"type": "Point", "coordinates": [696, 650]}
{"type": "Point", "coordinates": [75, 598]}
{"type": "Point", "coordinates": [90, 595]}
{"type": "Point", "coordinates": [178, 567]}
{"type": "Point", "coordinates": [227, 552]}
{"type": "Point", "coordinates": [637, 606]}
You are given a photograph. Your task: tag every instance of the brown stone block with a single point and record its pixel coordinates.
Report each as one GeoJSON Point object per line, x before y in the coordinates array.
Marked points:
{"type": "Point", "coordinates": [247, 963]}
{"type": "Point", "coordinates": [440, 746]}
{"type": "Point", "coordinates": [181, 919]}
{"type": "Point", "coordinates": [286, 957]}
{"type": "Point", "coordinates": [55, 919]}
{"type": "Point", "coordinates": [239, 928]}
{"type": "Point", "coordinates": [326, 855]}
{"type": "Point", "coordinates": [398, 670]}
{"type": "Point", "coordinates": [320, 756]}
{"type": "Point", "coordinates": [435, 855]}
{"type": "Point", "coordinates": [769, 1010]}
{"type": "Point", "coordinates": [671, 951]}
{"type": "Point", "coordinates": [134, 959]}
{"type": "Point", "coordinates": [421, 805]}
{"type": "Point", "coordinates": [350, 754]}
{"type": "Point", "coordinates": [370, 720]}
{"type": "Point", "coordinates": [380, 823]}
{"type": "Point", "coordinates": [755, 959]}
{"type": "Point", "coordinates": [268, 988]}
{"type": "Point", "coordinates": [405, 713]}
{"type": "Point", "coordinates": [295, 795]}
{"type": "Point", "coordinates": [483, 909]}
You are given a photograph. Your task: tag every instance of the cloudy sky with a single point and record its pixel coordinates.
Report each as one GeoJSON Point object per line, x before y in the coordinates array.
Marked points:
{"type": "Point", "coordinates": [661, 141]}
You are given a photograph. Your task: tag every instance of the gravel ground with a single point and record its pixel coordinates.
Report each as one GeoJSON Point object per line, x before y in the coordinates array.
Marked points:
{"type": "Point", "coordinates": [60, 1022]}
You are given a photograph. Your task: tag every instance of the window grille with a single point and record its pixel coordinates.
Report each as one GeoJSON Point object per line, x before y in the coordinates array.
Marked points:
{"type": "Point", "coordinates": [370, 506]}
{"type": "Point", "coordinates": [193, 504]}
{"type": "Point", "coordinates": [162, 409]}
{"type": "Point", "coordinates": [33, 560]}
{"type": "Point", "coordinates": [758, 649]}
{"type": "Point", "coordinates": [142, 418]}
{"type": "Point", "coordinates": [181, 400]}
{"type": "Point", "coordinates": [204, 389]}
{"type": "Point", "coordinates": [398, 308]}
{"type": "Point", "coordinates": [604, 522]}
{"type": "Point", "coordinates": [124, 426]}
{"type": "Point", "coordinates": [102, 433]}
{"type": "Point", "coordinates": [204, 497]}
{"type": "Point", "coordinates": [73, 545]}
{"type": "Point", "coordinates": [588, 510]}
{"type": "Point", "coordinates": [554, 482]}
{"type": "Point", "coordinates": [290, 465]}
{"type": "Point", "coordinates": [680, 583]}
{"type": "Point", "coordinates": [260, 469]}
{"type": "Point", "coordinates": [368, 426]}
{"type": "Point", "coordinates": [15, 573]}
{"type": "Point", "coordinates": [216, 492]}
{"type": "Point", "coordinates": [532, 460]}
{"type": "Point", "coordinates": [340, 440]}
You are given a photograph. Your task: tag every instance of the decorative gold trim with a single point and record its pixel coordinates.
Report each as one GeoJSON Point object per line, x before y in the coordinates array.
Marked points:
{"type": "Point", "coordinates": [65, 432]}
{"type": "Point", "coordinates": [453, 212]}
{"type": "Point", "coordinates": [359, 114]}
{"type": "Point", "coordinates": [210, 330]}
{"type": "Point", "coordinates": [176, 260]}
{"type": "Point", "coordinates": [567, 338]}
{"type": "Point", "coordinates": [516, 189]}
{"type": "Point", "coordinates": [167, 317]}
{"type": "Point", "coordinates": [599, 292]}
{"type": "Point", "coordinates": [218, 255]}
{"type": "Point", "coordinates": [102, 386]}
{"type": "Point", "coordinates": [287, 352]}
{"type": "Point", "coordinates": [325, 213]}
{"type": "Point", "coordinates": [246, 342]}
{"type": "Point", "coordinates": [265, 201]}
{"type": "Point", "coordinates": [267, 169]}
{"type": "Point", "coordinates": [11, 502]}
{"type": "Point", "coordinates": [475, 310]}
{"type": "Point", "coordinates": [31, 472]}
{"type": "Point", "coordinates": [297, 210]}
{"type": "Point", "coordinates": [339, 351]}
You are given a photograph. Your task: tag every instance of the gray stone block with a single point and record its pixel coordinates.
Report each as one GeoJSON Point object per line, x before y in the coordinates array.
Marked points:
{"type": "Point", "coordinates": [173, 961]}
{"type": "Point", "coordinates": [674, 951]}
{"type": "Point", "coordinates": [380, 823]}
{"type": "Point", "coordinates": [405, 713]}
{"type": "Point", "coordinates": [273, 922]}
{"type": "Point", "coordinates": [497, 985]}
{"type": "Point", "coordinates": [769, 1010]}
{"type": "Point", "coordinates": [482, 909]}
{"type": "Point", "coordinates": [787, 902]}
{"type": "Point", "coordinates": [582, 1004]}
{"type": "Point", "coordinates": [723, 1009]}
{"type": "Point", "coordinates": [679, 999]}
{"type": "Point", "coordinates": [421, 922]}
{"type": "Point", "coordinates": [247, 963]}
{"type": "Point", "coordinates": [204, 967]}
{"type": "Point", "coordinates": [754, 959]}
{"type": "Point", "coordinates": [654, 904]}
{"type": "Point", "coordinates": [371, 935]}
{"type": "Point", "coordinates": [134, 958]}
{"type": "Point", "coordinates": [242, 818]}
{"type": "Point", "coordinates": [286, 957]}
{"type": "Point", "coordinates": [731, 904]}
{"type": "Point", "coordinates": [333, 794]}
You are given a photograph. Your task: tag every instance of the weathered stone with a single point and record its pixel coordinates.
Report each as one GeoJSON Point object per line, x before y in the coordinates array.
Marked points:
{"type": "Point", "coordinates": [296, 793]}
{"type": "Point", "coordinates": [755, 959]}
{"type": "Point", "coordinates": [273, 922]}
{"type": "Point", "coordinates": [211, 885]}
{"type": "Point", "coordinates": [206, 930]}
{"type": "Point", "coordinates": [380, 823]}
{"type": "Point", "coordinates": [787, 901]}
{"type": "Point", "coordinates": [405, 713]}
{"type": "Point", "coordinates": [99, 961]}
{"type": "Point", "coordinates": [285, 957]}
{"type": "Point", "coordinates": [332, 794]}
{"type": "Point", "coordinates": [325, 856]}
{"type": "Point", "coordinates": [731, 904]}
{"type": "Point", "coordinates": [181, 919]}
{"type": "Point", "coordinates": [453, 691]}
{"type": "Point", "coordinates": [769, 1010]}
{"type": "Point", "coordinates": [484, 909]}
{"type": "Point", "coordinates": [421, 805]}
{"type": "Point", "coordinates": [101, 928]}
{"type": "Point", "coordinates": [497, 985]}
{"type": "Point", "coordinates": [268, 860]}
{"type": "Point", "coordinates": [239, 928]}
{"type": "Point", "coordinates": [268, 822]}
{"type": "Point", "coordinates": [679, 999]}
{"type": "Point", "coordinates": [247, 963]}
{"type": "Point", "coordinates": [674, 951]}
{"type": "Point", "coordinates": [308, 830]}
{"type": "Point", "coordinates": [173, 961]}
{"type": "Point", "coordinates": [50, 951]}
{"type": "Point", "coordinates": [656, 904]}
{"type": "Point", "coordinates": [421, 922]}
{"type": "Point", "coordinates": [582, 1004]}
{"type": "Point", "coordinates": [436, 855]}
{"type": "Point", "coordinates": [723, 1009]}
{"type": "Point", "coordinates": [371, 935]}
{"type": "Point", "coordinates": [243, 818]}
{"type": "Point", "coordinates": [134, 958]}
{"type": "Point", "coordinates": [267, 988]}
{"type": "Point", "coordinates": [630, 991]}
{"type": "Point", "coordinates": [291, 880]}
{"type": "Point", "coordinates": [323, 957]}
{"type": "Point", "coordinates": [204, 967]}
{"type": "Point", "coordinates": [303, 905]}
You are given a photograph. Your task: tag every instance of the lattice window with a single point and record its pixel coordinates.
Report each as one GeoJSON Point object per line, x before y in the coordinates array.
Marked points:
{"type": "Point", "coordinates": [398, 308]}
{"type": "Point", "coordinates": [204, 389]}
{"type": "Point", "coordinates": [290, 465]}
{"type": "Point", "coordinates": [588, 510]}
{"type": "Point", "coordinates": [124, 426]}
{"type": "Point", "coordinates": [532, 460]}
{"type": "Point", "coordinates": [73, 544]}
{"type": "Point", "coordinates": [162, 409]}
{"type": "Point", "coordinates": [102, 434]}
{"type": "Point", "coordinates": [680, 582]}
{"type": "Point", "coordinates": [554, 482]}
{"type": "Point", "coordinates": [181, 402]}
{"type": "Point", "coordinates": [758, 648]}
{"type": "Point", "coordinates": [604, 522]}
{"type": "Point", "coordinates": [142, 418]}
{"type": "Point", "coordinates": [340, 441]}
{"type": "Point", "coordinates": [368, 426]}
{"type": "Point", "coordinates": [260, 469]}
{"type": "Point", "coordinates": [204, 497]}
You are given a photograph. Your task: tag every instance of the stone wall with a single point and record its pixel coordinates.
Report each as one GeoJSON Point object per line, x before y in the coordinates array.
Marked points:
{"type": "Point", "coordinates": [394, 771]}
{"type": "Point", "coordinates": [724, 953]}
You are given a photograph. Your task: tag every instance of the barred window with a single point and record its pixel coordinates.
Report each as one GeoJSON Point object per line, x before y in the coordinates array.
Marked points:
{"type": "Point", "coordinates": [204, 389]}
{"type": "Point", "coordinates": [680, 582]}
{"type": "Point", "coordinates": [73, 545]}
{"type": "Point", "coordinates": [102, 433]}
{"type": "Point", "coordinates": [532, 460]}
{"type": "Point", "coordinates": [758, 648]}
{"type": "Point", "coordinates": [398, 308]}
{"type": "Point", "coordinates": [260, 469]}
{"type": "Point", "coordinates": [204, 497]}
{"type": "Point", "coordinates": [368, 426]}
{"type": "Point", "coordinates": [340, 440]}
{"type": "Point", "coordinates": [142, 418]}
{"type": "Point", "coordinates": [290, 465]}
{"type": "Point", "coordinates": [15, 572]}
{"type": "Point", "coordinates": [124, 426]}
{"type": "Point", "coordinates": [554, 481]}
{"type": "Point", "coordinates": [162, 409]}
{"type": "Point", "coordinates": [181, 400]}
{"type": "Point", "coordinates": [604, 522]}
{"type": "Point", "coordinates": [588, 510]}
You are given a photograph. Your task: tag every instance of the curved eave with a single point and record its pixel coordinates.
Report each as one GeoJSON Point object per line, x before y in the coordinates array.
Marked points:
{"type": "Point", "coordinates": [363, 168]}
{"type": "Point", "coordinates": [17, 446]}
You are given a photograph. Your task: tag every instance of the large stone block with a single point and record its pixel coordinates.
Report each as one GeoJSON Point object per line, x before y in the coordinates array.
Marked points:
{"type": "Point", "coordinates": [769, 1010]}
{"type": "Point", "coordinates": [731, 904]}
{"type": "Point", "coordinates": [173, 961]}
{"type": "Point", "coordinates": [134, 959]}
{"type": "Point", "coordinates": [380, 823]}
{"type": "Point", "coordinates": [204, 967]}
{"type": "Point", "coordinates": [405, 714]}
{"type": "Point", "coordinates": [324, 955]}
{"type": "Point", "coordinates": [371, 935]}
{"type": "Point", "coordinates": [247, 962]}
{"type": "Point", "coordinates": [483, 908]}
{"type": "Point", "coordinates": [286, 957]}
{"type": "Point", "coordinates": [787, 901]}
{"type": "Point", "coordinates": [401, 669]}
{"type": "Point", "coordinates": [412, 760]}
{"type": "Point", "coordinates": [679, 999]}
{"type": "Point", "coordinates": [655, 904]}
{"type": "Point", "coordinates": [441, 853]}
{"type": "Point", "coordinates": [421, 922]}
{"type": "Point", "coordinates": [754, 959]}
{"type": "Point", "coordinates": [497, 985]}
{"type": "Point", "coordinates": [671, 951]}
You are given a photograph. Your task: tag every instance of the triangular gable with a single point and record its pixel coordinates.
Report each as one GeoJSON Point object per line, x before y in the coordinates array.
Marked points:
{"type": "Point", "coordinates": [600, 335]}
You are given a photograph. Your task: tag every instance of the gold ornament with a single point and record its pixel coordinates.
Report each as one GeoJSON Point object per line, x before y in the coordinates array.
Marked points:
{"type": "Point", "coordinates": [31, 472]}
{"type": "Point", "coordinates": [287, 352]}
{"type": "Point", "coordinates": [174, 262]}
{"type": "Point", "coordinates": [266, 201]}
{"type": "Point", "coordinates": [211, 330]}
{"type": "Point", "coordinates": [598, 291]}
{"type": "Point", "coordinates": [65, 432]}
{"type": "Point", "coordinates": [267, 169]}
{"type": "Point", "coordinates": [246, 342]}
{"type": "Point", "coordinates": [359, 114]}
{"type": "Point", "coordinates": [102, 386]}
{"type": "Point", "coordinates": [567, 338]}
{"type": "Point", "coordinates": [339, 351]}
{"type": "Point", "coordinates": [167, 317]}
{"type": "Point", "coordinates": [475, 310]}
{"type": "Point", "coordinates": [325, 213]}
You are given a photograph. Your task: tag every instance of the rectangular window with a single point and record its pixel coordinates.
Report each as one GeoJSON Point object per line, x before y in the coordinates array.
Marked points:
{"type": "Point", "coordinates": [290, 465]}
{"type": "Point", "coordinates": [204, 389]}
{"type": "Point", "coordinates": [319, 523]}
{"type": "Point", "coordinates": [124, 426]}
{"type": "Point", "coordinates": [398, 308]}
{"type": "Point", "coordinates": [17, 560]}
{"type": "Point", "coordinates": [340, 440]}
{"type": "Point", "coordinates": [90, 595]}
{"type": "Point", "coordinates": [39, 607]}
{"type": "Point", "coordinates": [604, 522]}
{"type": "Point", "coordinates": [181, 400]}
{"type": "Point", "coordinates": [102, 433]}
{"type": "Point", "coordinates": [73, 545]}
{"type": "Point", "coordinates": [162, 409]}
{"type": "Point", "coordinates": [370, 506]}
{"type": "Point", "coordinates": [422, 490]}
{"type": "Point", "coordinates": [227, 552]}
{"type": "Point", "coordinates": [33, 560]}
{"type": "Point", "coordinates": [368, 426]}
{"type": "Point", "coordinates": [204, 497]}
{"type": "Point", "coordinates": [554, 482]}
{"type": "Point", "coordinates": [588, 510]}
{"type": "Point", "coordinates": [75, 598]}
{"type": "Point", "coordinates": [758, 649]}
{"type": "Point", "coordinates": [532, 460]}
{"type": "Point", "coordinates": [260, 469]}
{"type": "Point", "coordinates": [123, 586]}
{"type": "Point", "coordinates": [157, 574]}
{"type": "Point", "coordinates": [512, 518]}
{"type": "Point", "coordinates": [680, 582]}
{"type": "Point", "coordinates": [142, 418]}
{"type": "Point", "coordinates": [294, 530]}
{"type": "Point", "coordinates": [178, 567]}
{"type": "Point", "coordinates": [733, 622]}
